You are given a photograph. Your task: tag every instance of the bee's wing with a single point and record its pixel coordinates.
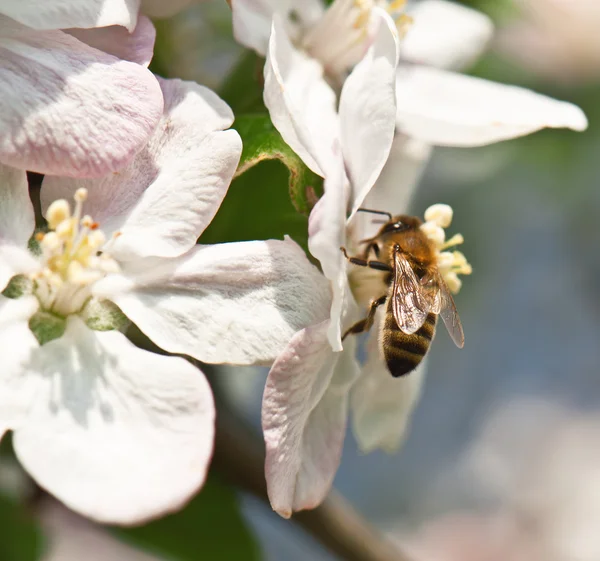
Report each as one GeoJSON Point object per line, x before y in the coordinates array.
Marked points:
{"type": "Point", "coordinates": [409, 301]}
{"type": "Point", "coordinates": [449, 314]}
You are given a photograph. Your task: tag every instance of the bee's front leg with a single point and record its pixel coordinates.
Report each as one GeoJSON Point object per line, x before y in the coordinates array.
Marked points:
{"type": "Point", "coordinates": [379, 265]}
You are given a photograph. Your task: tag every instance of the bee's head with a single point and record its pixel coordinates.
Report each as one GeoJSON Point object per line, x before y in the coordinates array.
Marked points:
{"type": "Point", "coordinates": [400, 223]}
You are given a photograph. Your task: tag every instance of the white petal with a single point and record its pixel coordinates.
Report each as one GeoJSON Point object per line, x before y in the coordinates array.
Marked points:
{"type": "Point", "coordinates": [16, 224]}
{"type": "Point", "coordinates": [137, 46]}
{"type": "Point", "coordinates": [450, 109]}
{"type": "Point", "coordinates": [69, 109]}
{"type": "Point", "coordinates": [326, 234]}
{"type": "Point", "coordinates": [300, 102]}
{"type": "Point", "coordinates": [252, 19]}
{"type": "Point", "coordinates": [446, 35]}
{"type": "Point", "coordinates": [117, 433]}
{"type": "Point", "coordinates": [381, 404]}
{"type": "Point", "coordinates": [165, 198]}
{"type": "Point", "coordinates": [59, 14]}
{"type": "Point", "coordinates": [238, 303]}
{"type": "Point", "coordinates": [16, 388]}
{"type": "Point", "coordinates": [252, 23]}
{"type": "Point", "coordinates": [396, 185]}
{"type": "Point", "coordinates": [304, 413]}
{"type": "Point", "coordinates": [367, 110]}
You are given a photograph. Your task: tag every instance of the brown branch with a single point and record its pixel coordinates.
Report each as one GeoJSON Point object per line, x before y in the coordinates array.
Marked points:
{"type": "Point", "coordinates": [239, 456]}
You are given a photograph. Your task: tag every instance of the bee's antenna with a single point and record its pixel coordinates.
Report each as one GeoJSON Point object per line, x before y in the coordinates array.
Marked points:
{"type": "Point", "coordinates": [388, 214]}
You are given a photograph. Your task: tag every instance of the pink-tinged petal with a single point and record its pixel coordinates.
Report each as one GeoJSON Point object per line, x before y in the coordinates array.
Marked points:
{"type": "Point", "coordinates": [69, 109]}
{"type": "Point", "coordinates": [16, 224]}
{"type": "Point", "coordinates": [304, 415]}
{"type": "Point", "coordinates": [301, 104]}
{"type": "Point", "coordinates": [445, 35]}
{"type": "Point", "coordinates": [117, 433]}
{"type": "Point", "coordinates": [368, 109]}
{"type": "Point", "coordinates": [60, 14]}
{"type": "Point", "coordinates": [16, 387]}
{"type": "Point", "coordinates": [165, 198]}
{"type": "Point", "coordinates": [137, 46]}
{"type": "Point", "coordinates": [238, 303]}
{"type": "Point", "coordinates": [395, 187]}
{"type": "Point", "coordinates": [326, 234]}
{"type": "Point", "coordinates": [381, 404]}
{"type": "Point", "coordinates": [450, 109]}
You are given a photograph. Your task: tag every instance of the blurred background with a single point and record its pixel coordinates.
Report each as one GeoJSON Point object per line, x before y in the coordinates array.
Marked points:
{"type": "Point", "coordinates": [502, 461]}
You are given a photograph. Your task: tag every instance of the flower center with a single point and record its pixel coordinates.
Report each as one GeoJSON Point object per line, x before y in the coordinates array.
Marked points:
{"type": "Point", "coordinates": [450, 263]}
{"type": "Point", "coordinates": [72, 259]}
{"type": "Point", "coordinates": [344, 33]}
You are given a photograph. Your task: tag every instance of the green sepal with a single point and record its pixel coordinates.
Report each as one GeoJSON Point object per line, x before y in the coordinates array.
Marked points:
{"type": "Point", "coordinates": [47, 326]}
{"type": "Point", "coordinates": [262, 141]}
{"type": "Point", "coordinates": [104, 316]}
{"type": "Point", "coordinates": [17, 287]}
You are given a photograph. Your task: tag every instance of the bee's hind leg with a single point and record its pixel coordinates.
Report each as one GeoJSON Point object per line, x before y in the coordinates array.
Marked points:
{"type": "Point", "coordinates": [366, 324]}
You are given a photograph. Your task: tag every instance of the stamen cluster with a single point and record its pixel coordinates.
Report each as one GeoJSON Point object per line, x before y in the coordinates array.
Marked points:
{"type": "Point", "coordinates": [450, 263]}
{"type": "Point", "coordinates": [72, 258]}
{"type": "Point", "coordinates": [340, 39]}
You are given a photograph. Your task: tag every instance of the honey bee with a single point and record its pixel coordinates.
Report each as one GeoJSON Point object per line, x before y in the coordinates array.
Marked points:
{"type": "Point", "coordinates": [402, 260]}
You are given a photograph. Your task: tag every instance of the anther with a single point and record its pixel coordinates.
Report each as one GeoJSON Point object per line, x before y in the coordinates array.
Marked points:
{"type": "Point", "coordinates": [58, 212]}
{"type": "Point", "coordinates": [80, 195]}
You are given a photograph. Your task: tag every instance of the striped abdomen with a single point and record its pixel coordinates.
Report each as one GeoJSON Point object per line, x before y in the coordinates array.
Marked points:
{"type": "Point", "coordinates": [403, 352]}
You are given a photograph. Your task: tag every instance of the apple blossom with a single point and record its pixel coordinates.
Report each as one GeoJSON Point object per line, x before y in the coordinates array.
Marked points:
{"type": "Point", "coordinates": [449, 109]}
{"type": "Point", "coordinates": [118, 433]}
{"type": "Point", "coordinates": [72, 102]}
{"type": "Point", "coordinates": [305, 404]}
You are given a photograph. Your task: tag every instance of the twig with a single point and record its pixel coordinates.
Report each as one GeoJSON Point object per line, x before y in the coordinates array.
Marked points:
{"type": "Point", "coordinates": [239, 456]}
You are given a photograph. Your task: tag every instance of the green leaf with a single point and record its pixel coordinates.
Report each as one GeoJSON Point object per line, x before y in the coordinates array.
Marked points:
{"type": "Point", "coordinates": [258, 207]}
{"type": "Point", "coordinates": [21, 538]}
{"type": "Point", "coordinates": [243, 87]}
{"type": "Point", "coordinates": [263, 142]}
{"type": "Point", "coordinates": [210, 527]}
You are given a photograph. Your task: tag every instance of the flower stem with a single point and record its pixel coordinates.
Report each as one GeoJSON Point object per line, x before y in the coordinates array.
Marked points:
{"type": "Point", "coordinates": [335, 524]}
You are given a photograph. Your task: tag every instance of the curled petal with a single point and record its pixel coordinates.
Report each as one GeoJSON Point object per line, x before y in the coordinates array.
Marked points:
{"type": "Point", "coordinates": [238, 303]}
{"type": "Point", "coordinates": [304, 412]}
{"type": "Point", "coordinates": [164, 199]}
{"type": "Point", "coordinates": [117, 433]}
{"type": "Point", "coordinates": [16, 388]}
{"type": "Point", "coordinates": [446, 35]}
{"type": "Point", "coordinates": [16, 224]}
{"type": "Point", "coordinates": [381, 404]}
{"type": "Point", "coordinates": [69, 109]}
{"type": "Point", "coordinates": [367, 110]}
{"type": "Point", "coordinates": [326, 234]}
{"type": "Point", "coordinates": [300, 102]}
{"type": "Point", "coordinates": [450, 109]}
{"type": "Point", "coordinates": [137, 46]}
{"type": "Point", "coordinates": [395, 187]}
{"type": "Point", "coordinates": [60, 14]}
